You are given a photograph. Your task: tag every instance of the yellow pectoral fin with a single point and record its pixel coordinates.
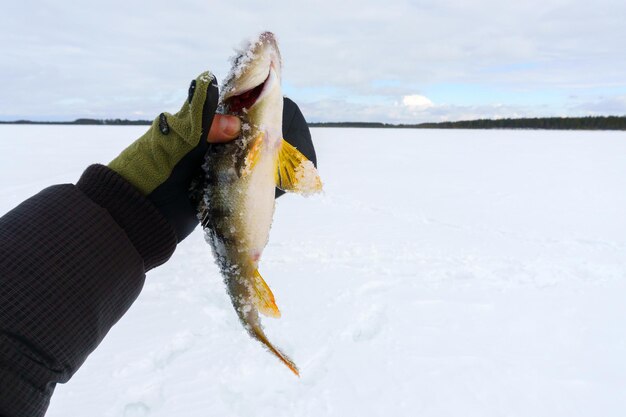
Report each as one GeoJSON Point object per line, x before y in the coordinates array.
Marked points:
{"type": "Point", "coordinates": [264, 299]}
{"type": "Point", "coordinates": [295, 173]}
{"type": "Point", "coordinates": [253, 155]}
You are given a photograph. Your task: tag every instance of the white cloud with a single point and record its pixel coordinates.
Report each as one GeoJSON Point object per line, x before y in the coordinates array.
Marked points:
{"type": "Point", "coordinates": [338, 110]}
{"type": "Point", "coordinates": [417, 102]}
{"type": "Point", "coordinates": [612, 105]}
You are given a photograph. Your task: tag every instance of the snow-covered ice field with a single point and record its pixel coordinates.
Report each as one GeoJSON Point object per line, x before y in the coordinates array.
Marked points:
{"type": "Point", "coordinates": [442, 273]}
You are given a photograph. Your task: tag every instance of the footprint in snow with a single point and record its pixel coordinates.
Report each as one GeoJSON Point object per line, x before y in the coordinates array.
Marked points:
{"type": "Point", "coordinates": [137, 409]}
{"type": "Point", "coordinates": [369, 325]}
{"type": "Point", "coordinates": [181, 343]}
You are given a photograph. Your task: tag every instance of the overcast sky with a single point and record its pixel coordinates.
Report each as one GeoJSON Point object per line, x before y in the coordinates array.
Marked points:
{"type": "Point", "coordinates": [361, 60]}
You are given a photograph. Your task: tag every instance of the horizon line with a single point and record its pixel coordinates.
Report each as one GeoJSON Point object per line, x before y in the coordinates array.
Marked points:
{"type": "Point", "coordinates": [147, 122]}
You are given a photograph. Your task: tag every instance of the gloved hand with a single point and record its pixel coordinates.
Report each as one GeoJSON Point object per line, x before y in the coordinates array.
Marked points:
{"type": "Point", "coordinates": [162, 163]}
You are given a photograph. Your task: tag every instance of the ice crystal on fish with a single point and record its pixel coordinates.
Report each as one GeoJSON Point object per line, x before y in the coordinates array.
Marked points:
{"type": "Point", "coordinates": [307, 179]}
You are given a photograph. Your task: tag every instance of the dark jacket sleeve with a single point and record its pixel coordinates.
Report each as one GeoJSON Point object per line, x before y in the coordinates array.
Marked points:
{"type": "Point", "coordinates": [72, 260]}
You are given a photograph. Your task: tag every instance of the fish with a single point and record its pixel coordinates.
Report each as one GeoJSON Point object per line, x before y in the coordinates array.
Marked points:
{"type": "Point", "coordinates": [237, 206]}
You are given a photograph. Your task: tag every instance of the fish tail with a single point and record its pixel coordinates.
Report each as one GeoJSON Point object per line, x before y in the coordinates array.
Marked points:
{"type": "Point", "coordinates": [245, 304]}
{"type": "Point", "coordinates": [260, 336]}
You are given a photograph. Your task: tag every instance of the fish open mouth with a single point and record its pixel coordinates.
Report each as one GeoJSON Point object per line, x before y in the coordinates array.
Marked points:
{"type": "Point", "coordinates": [247, 99]}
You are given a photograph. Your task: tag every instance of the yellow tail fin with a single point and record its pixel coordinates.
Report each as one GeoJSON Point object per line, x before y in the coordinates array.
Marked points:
{"type": "Point", "coordinates": [295, 173]}
{"type": "Point", "coordinates": [264, 298]}
{"type": "Point", "coordinates": [260, 336]}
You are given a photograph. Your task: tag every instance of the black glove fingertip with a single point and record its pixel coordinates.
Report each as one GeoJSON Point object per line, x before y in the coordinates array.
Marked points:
{"type": "Point", "coordinates": [209, 107]}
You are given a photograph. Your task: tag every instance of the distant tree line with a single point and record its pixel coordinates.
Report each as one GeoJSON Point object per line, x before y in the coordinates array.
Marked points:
{"type": "Point", "coordinates": [112, 122]}
{"type": "Point", "coordinates": [351, 124]}
{"type": "Point", "coordinates": [119, 122]}
{"type": "Point", "coordinates": [556, 123]}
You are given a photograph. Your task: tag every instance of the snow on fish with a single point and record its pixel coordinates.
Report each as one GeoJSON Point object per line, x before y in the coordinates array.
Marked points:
{"type": "Point", "coordinates": [240, 178]}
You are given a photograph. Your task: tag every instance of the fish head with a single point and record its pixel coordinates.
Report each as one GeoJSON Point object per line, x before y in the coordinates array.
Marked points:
{"type": "Point", "coordinates": [252, 89]}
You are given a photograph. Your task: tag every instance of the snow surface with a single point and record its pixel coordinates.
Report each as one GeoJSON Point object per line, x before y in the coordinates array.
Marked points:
{"type": "Point", "coordinates": [442, 273]}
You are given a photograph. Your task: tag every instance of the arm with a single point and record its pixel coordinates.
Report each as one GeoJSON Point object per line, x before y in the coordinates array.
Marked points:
{"type": "Point", "coordinates": [73, 258]}
{"type": "Point", "coordinates": [68, 271]}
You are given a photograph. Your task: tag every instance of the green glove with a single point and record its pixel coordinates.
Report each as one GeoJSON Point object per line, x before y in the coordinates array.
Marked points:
{"type": "Point", "coordinates": [162, 163]}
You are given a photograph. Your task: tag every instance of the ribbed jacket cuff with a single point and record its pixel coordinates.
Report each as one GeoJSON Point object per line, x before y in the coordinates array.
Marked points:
{"type": "Point", "coordinates": [151, 234]}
